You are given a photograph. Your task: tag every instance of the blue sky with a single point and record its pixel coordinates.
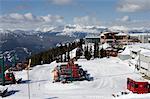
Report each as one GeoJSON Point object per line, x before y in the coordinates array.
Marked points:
{"type": "Point", "coordinates": [104, 11]}
{"type": "Point", "coordinates": [77, 8]}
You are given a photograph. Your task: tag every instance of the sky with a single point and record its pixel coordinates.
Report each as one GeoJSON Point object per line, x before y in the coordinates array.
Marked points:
{"type": "Point", "coordinates": [30, 14]}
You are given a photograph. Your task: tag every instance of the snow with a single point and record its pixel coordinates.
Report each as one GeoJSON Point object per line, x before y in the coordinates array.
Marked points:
{"type": "Point", "coordinates": [92, 36]}
{"type": "Point", "coordinates": [121, 34]}
{"type": "Point", "coordinates": [45, 29]}
{"type": "Point", "coordinates": [109, 75]}
{"type": "Point", "coordinates": [73, 30]}
{"type": "Point", "coordinates": [126, 51]}
{"type": "Point", "coordinates": [144, 51]}
{"type": "Point", "coordinates": [105, 46]}
{"type": "Point", "coordinates": [119, 28]}
{"type": "Point", "coordinates": [139, 34]}
{"type": "Point", "coordinates": [144, 48]}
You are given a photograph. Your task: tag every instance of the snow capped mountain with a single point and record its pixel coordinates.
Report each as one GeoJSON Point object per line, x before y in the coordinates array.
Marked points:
{"type": "Point", "coordinates": [26, 42]}
{"type": "Point", "coordinates": [50, 29]}
{"type": "Point", "coordinates": [119, 28]}
{"type": "Point", "coordinates": [67, 30]}
{"type": "Point", "coordinates": [79, 28]}
{"type": "Point", "coordinates": [73, 30]}
{"type": "Point", "coordinates": [78, 31]}
{"type": "Point", "coordinates": [2, 31]}
{"type": "Point", "coordinates": [140, 30]}
{"type": "Point", "coordinates": [81, 31]}
{"type": "Point", "coordinates": [130, 30]}
{"type": "Point", "coordinates": [45, 29]}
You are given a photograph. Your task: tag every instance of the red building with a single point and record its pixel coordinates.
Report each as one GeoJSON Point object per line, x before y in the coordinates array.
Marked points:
{"type": "Point", "coordinates": [137, 86]}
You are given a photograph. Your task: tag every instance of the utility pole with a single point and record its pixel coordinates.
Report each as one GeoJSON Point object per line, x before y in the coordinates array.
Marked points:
{"type": "Point", "coordinates": [139, 60]}
{"type": "Point", "coordinates": [28, 77]}
{"type": "Point", "coordinates": [148, 72]}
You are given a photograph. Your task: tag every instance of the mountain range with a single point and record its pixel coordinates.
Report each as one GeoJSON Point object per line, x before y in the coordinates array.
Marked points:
{"type": "Point", "coordinates": [27, 42]}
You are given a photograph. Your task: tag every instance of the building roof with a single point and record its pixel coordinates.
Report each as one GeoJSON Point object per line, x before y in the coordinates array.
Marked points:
{"type": "Point", "coordinates": [139, 34]}
{"type": "Point", "coordinates": [92, 36]}
{"type": "Point", "coordinates": [121, 34]}
{"type": "Point", "coordinates": [109, 32]}
{"type": "Point", "coordinates": [137, 79]}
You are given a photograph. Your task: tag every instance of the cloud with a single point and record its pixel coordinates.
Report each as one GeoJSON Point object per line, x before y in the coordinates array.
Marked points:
{"type": "Point", "coordinates": [29, 16]}
{"type": "Point", "coordinates": [124, 19]}
{"type": "Point", "coordinates": [61, 2]}
{"type": "Point", "coordinates": [16, 16]}
{"type": "Point", "coordinates": [86, 20]}
{"type": "Point", "coordinates": [50, 18]}
{"type": "Point", "coordinates": [130, 24]}
{"type": "Point", "coordinates": [28, 21]}
{"type": "Point", "coordinates": [133, 5]}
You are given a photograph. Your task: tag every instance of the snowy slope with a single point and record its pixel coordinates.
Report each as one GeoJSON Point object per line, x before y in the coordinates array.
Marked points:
{"type": "Point", "coordinates": [109, 77]}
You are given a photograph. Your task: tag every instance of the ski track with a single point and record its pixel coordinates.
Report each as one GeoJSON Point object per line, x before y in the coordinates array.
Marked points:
{"type": "Point", "coordinates": [109, 74]}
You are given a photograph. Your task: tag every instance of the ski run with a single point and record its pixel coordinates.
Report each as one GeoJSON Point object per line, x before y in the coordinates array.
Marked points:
{"type": "Point", "coordinates": [109, 78]}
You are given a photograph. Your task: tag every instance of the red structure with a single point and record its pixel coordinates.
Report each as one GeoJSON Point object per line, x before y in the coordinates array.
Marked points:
{"type": "Point", "coordinates": [70, 72]}
{"type": "Point", "coordinates": [10, 77]}
{"type": "Point", "coordinates": [139, 87]}
{"type": "Point", "coordinates": [111, 52]}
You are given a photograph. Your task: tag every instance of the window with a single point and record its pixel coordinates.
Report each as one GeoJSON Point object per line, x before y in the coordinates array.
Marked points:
{"type": "Point", "coordinates": [135, 85]}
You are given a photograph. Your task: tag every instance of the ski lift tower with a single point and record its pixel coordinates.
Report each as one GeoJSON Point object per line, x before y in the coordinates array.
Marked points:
{"type": "Point", "coordinates": [2, 69]}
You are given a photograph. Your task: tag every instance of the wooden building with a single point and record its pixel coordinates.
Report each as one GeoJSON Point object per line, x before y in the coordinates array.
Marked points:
{"type": "Point", "coordinates": [113, 38]}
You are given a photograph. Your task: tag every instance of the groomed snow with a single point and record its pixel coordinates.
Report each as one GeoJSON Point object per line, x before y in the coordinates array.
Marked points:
{"type": "Point", "coordinates": [144, 48]}
{"type": "Point", "coordinates": [109, 74]}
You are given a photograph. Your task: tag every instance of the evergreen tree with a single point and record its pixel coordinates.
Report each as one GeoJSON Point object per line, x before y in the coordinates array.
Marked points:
{"type": "Point", "coordinates": [87, 54]}
{"type": "Point", "coordinates": [53, 54]}
{"type": "Point", "coordinates": [61, 53]}
{"type": "Point", "coordinates": [68, 52]}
